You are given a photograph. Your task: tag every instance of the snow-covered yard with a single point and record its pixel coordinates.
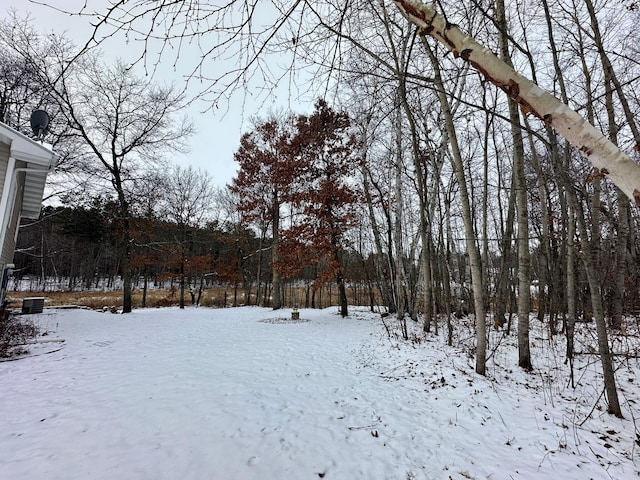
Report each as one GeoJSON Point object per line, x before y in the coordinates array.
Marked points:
{"type": "Point", "coordinates": [242, 394]}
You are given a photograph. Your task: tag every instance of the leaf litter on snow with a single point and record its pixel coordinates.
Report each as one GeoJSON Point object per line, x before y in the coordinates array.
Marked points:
{"type": "Point", "coordinates": [551, 427]}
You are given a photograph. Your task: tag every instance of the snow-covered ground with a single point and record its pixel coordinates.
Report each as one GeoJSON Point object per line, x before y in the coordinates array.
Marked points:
{"type": "Point", "coordinates": [243, 394]}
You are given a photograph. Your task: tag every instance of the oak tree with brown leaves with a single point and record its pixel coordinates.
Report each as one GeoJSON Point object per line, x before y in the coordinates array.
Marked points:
{"type": "Point", "coordinates": [324, 197]}
{"type": "Point", "coordinates": [263, 183]}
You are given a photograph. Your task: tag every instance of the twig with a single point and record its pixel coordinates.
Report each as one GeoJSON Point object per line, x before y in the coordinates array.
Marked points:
{"type": "Point", "coordinates": [592, 409]}
{"type": "Point", "coordinates": [363, 427]}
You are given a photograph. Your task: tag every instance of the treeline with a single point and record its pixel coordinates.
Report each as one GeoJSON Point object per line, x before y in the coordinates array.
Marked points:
{"type": "Point", "coordinates": [78, 248]}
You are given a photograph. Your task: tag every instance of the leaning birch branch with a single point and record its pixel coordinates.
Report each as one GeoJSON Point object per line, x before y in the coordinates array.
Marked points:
{"type": "Point", "coordinates": [592, 144]}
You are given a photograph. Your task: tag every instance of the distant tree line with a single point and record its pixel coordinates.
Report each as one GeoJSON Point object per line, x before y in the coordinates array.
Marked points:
{"type": "Point", "coordinates": [76, 248]}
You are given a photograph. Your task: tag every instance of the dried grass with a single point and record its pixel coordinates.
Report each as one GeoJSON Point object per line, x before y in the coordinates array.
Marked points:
{"type": "Point", "coordinates": [99, 300]}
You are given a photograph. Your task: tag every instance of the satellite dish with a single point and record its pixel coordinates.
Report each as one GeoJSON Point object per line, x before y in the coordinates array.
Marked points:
{"type": "Point", "coordinates": [39, 123]}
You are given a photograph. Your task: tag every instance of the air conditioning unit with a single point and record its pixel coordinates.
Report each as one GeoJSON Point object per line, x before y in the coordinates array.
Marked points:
{"type": "Point", "coordinates": [32, 305]}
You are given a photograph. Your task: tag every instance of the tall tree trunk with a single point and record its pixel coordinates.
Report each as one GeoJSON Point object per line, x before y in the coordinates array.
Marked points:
{"type": "Point", "coordinates": [126, 247]}
{"type": "Point", "coordinates": [485, 189]}
{"type": "Point", "coordinates": [545, 289]}
{"type": "Point", "coordinates": [590, 245]}
{"type": "Point", "coordinates": [263, 230]}
{"type": "Point", "coordinates": [276, 280]}
{"type": "Point", "coordinates": [422, 204]}
{"type": "Point", "coordinates": [621, 259]}
{"type": "Point", "coordinates": [472, 247]}
{"type": "Point", "coordinates": [571, 289]}
{"type": "Point", "coordinates": [524, 260]}
{"type": "Point", "coordinates": [446, 279]}
{"type": "Point", "coordinates": [557, 159]}
{"type": "Point", "coordinates": [145, 285]}
{"type": "Point", "coordinates": [126, 270]}
{"type": "Point", "coordinates": [342, 292]}
{"type": "Point", "coordinates": [401, 297]}
{"type": "Point", "coordinates": [386, 289]}
{"type": "Point", "coordinates": [183, 260]}
{"type": "Point", "coordinates": [611, 84]}
{"type": "Point", "coordinates": [502, 288]}
{"type": "Point", "coordinates": [588, 256]}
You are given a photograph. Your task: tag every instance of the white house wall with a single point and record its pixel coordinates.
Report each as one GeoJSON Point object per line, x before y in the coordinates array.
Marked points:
{"type": "Point", "coordinates": [5, 151]}
{"type": "Point", "coordinates": [9, 243]}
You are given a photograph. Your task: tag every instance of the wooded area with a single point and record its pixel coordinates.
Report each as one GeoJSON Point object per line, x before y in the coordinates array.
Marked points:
{"type": "Point", "coordinates": [415, 181]}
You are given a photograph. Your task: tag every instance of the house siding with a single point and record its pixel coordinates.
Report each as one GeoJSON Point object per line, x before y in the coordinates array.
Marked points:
{"type": "Point", "coordinates": [5, 151]}
{"type": "Point", "coordinates": [9, 245]}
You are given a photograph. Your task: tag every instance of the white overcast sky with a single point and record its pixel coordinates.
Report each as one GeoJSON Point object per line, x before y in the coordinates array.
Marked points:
{"type": "Point", "coordinates": [218, 131]}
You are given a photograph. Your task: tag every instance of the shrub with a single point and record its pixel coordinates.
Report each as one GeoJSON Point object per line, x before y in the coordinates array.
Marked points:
{"type": "Point", "coordinates": [15, 332]}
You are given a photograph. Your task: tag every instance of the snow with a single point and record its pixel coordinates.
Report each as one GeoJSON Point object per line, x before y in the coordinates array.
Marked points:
{"type": "Point", "coordinates": [245, 393]}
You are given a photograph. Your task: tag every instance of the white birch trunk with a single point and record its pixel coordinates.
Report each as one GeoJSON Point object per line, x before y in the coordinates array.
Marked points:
{"type": "Point", "coordinates": [599, 150]}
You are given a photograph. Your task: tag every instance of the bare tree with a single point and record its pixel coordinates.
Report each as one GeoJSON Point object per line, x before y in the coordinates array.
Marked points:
{"type": "Point", "coordinates": [472, 247]}
{"type": "Point", "coordinates": [25, 53]}
{"type": "Point", "coordinates": [123, 125]}
{"type": "Point", "coordinates": [524, 260]}
{"type": "Point", "coordinates": [186, 203]}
